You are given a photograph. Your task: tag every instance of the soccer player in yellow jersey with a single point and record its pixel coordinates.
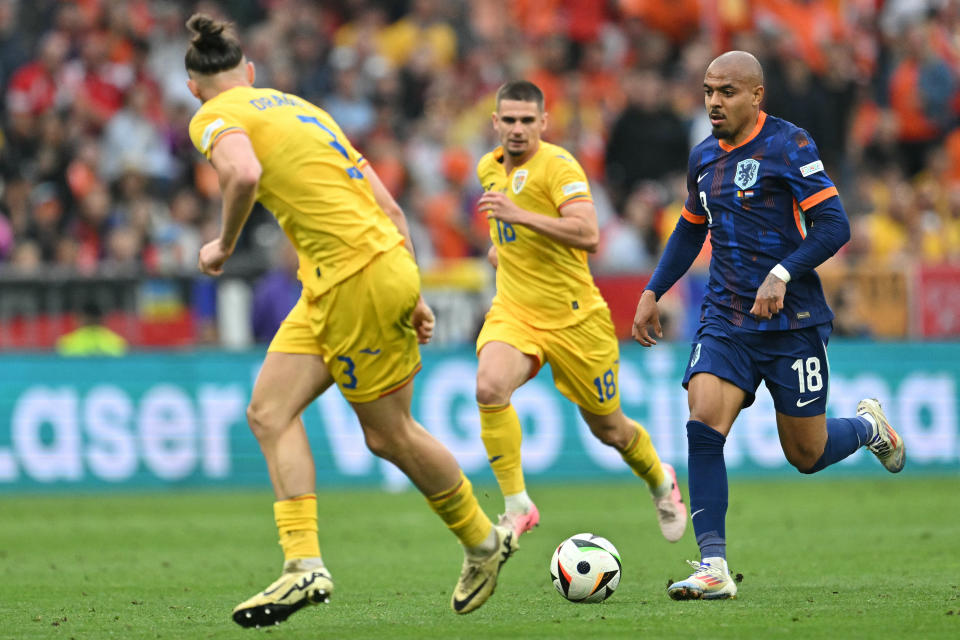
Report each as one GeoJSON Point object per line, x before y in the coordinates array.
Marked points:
{"type": "Point", "coordinates": [548, 310]}
{"type": "Point", "coordinates": [357, 323]}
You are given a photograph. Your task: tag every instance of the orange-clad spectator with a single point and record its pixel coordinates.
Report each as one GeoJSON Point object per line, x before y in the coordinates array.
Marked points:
{"type": "Point", "coordinates": [445, 214]}
{"type": "Point", "coordinates": [577, 123]}
{"type": "Point", "coordinates": [722, 19]}
{"type": "Point", "coordinates": [549, 72]}
{"type": "Point", "coordinates": [386, 156]}
{"type": "Point", "coordinates": [921, 88]}
{"type": "Point", "coordinates": [578, 20]}
{"type": "Point", "coordinates": [952, 149]}
{"type": "Point", "coordinates": [811, 24]}
{"type": "Point", "coordinates": [538, 18]}
{"type": "Point", "coordinates": [678, 19]}
{"type": "Point", "coordinates": [601, 86]}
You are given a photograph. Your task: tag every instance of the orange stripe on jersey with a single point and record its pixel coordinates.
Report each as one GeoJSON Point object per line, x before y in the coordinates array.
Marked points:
{"type": "Point", "coordinates": [446, 495]}
{"type": "Point", "coordinates": [493, 408]}
{"type": "Point", "coordinates": [693, 217]}
{"type": "Point", "coordinates": [306, 496]}
{"type": "Point", "coordinates": [797, 220]}
{"type": "Point", "coordinates": [753, 134]}
{"type": "Point", "coordinates": [401, 385]}
{"type": "Point", "coordinates": [818, 197]}
{"type": "Point", "coordinates": [362, 162]}
{"type": "Point", "coordinates": [577, 198]}
{"type": "Point", "coordinates": [225, 132]}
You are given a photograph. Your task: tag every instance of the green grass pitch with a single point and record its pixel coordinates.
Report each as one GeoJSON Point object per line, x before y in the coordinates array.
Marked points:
{"type": "Point", "coordinates": [821, 558]}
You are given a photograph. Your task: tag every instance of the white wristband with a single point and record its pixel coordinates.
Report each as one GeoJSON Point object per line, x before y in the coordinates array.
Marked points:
{"type": "Point", "coordinates": [780, 272]}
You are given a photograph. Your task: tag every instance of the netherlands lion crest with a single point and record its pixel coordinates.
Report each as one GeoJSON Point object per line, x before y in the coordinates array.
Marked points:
{"type": "Point", "coordinates": [747, 172]}
{"type": "Point", "coordinates": [519, 179]}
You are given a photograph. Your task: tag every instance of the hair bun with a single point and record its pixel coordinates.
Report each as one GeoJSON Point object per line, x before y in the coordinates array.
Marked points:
{"type": "Point", "coordinates": [213, 47]}
{"type": "Point", "coordinates": [209, 32]}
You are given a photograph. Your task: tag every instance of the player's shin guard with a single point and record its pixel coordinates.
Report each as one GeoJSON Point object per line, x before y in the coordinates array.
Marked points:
{"type": "Point", "coordinates": [844, 436]}
{"type": "Point", "coordinates": [708, 488]}
{"type": "Point", "coordinates": [501, 435]}
{"type": "Point", "coordinates": [459, 509]}
{"type": "Point", "coordinates": [643, 459]}
{"type": "Point", "coordinates": [297, 523]}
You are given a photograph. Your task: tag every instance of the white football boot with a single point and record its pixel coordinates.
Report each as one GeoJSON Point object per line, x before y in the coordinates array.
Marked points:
{"type": "Point", "coordinates": [885, 443]}
{"type": "Point", "coordinates": [710, 581]}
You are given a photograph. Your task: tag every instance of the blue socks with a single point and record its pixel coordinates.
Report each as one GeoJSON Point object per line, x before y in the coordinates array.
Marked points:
{"type": "Point", "coordinates": [708, 488]}
{"type": "Point", "coordinates": [844, 436]}
{"type": "Point", "coordinates": [708, 474]}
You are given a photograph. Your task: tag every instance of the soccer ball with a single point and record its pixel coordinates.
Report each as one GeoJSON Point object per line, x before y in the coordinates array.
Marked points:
{"type": "Point", "coordinates": [585, 568]}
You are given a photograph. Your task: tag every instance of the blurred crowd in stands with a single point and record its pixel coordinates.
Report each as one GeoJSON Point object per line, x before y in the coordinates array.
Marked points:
{"type": "Point", "coordinates": [99, 175]}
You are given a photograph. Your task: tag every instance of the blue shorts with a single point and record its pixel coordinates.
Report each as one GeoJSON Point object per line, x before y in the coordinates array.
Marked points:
{"type": "Point", "coordinates": [792, 363]}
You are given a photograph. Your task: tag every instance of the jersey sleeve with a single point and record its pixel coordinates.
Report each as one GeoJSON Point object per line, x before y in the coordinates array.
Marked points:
{"type": "Point", "coordinates": [568, 182]}
{"type": "Point", "coordinates": [692, 209]}
{"type": "Point", "coordinates": [804, 172]}
{"type": "Point", "coordinates": [209, 125]}
{"type": "Point", "coordinates": [484, 171]}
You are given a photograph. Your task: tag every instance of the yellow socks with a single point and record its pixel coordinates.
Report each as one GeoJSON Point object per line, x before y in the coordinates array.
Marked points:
{"type": "Point", "coordinates": [643, 458]}
{"type": "Point", "coordinates": [297, 523]}
{"type": "Point", "coordinates": [458, 508]}
{"type": "Point", "coordinates": [500, 431]}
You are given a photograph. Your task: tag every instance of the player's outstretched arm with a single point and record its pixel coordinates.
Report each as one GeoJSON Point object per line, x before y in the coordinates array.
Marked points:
{"type": "Point", "coordinates": [576, 227]}
{"type": "Point", "coordinates": [648, 315]}
{"type": "Point", "coordinates": [238, 170]}
{"type": "Point", "coordinates": [422, 318]}
{"type": "Point", "coordinates": [682, 249]}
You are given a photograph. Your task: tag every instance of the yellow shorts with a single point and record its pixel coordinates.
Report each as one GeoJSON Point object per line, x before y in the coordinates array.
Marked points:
{"type": "Point", "coordinates": [361, 328]}
{"type": "Point", "coordinates": [584, 358]}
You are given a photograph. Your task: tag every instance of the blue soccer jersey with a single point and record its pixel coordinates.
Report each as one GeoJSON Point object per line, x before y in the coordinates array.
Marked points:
{"type": "Point", "coordinates": [757, 199]}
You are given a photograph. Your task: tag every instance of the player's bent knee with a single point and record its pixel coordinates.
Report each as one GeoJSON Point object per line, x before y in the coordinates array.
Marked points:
{"type": "Point", "coordinates": [608, 434]}
{"type": "Point", "coordinates": [386, 443]}
{"type": "Point", "coordinates": [379, 446]}
{"type": "Point", "coordinates": [265, 422]}
{"type": "Point", "coordinates": [804, 460]}
{"type": "Point", "coordinates": [492, 392]}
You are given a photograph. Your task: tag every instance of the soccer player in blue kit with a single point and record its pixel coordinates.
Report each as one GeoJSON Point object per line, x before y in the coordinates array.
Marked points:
{"type": "Point", "coordinates": [759, 187]}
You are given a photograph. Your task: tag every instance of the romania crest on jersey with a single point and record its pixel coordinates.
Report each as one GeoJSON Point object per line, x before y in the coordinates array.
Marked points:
{"type": "Point", "coordinates": [519, 179]}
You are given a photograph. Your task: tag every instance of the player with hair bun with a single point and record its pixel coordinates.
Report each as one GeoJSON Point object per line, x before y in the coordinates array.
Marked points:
{"type": "Point", "coordinates": [357, 323]}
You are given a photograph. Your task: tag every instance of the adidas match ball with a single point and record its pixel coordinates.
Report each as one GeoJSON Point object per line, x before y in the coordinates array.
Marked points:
{"type": "Point", "coordinates": [585, 568]}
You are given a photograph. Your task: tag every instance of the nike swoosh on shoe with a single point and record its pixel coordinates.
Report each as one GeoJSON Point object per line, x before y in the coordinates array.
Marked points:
{"type": "Point", "coordinates": [460, 604]}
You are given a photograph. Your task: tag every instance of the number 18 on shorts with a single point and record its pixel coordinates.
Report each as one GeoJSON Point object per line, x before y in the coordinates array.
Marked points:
{"type": "Point", "coordinates": [792, 364]}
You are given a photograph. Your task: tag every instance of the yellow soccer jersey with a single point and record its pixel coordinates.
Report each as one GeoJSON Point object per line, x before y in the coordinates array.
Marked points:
{"type": "Point", "coordinates": [312, 180]}
{"type": "Point", "coordinates": [543, 282]}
